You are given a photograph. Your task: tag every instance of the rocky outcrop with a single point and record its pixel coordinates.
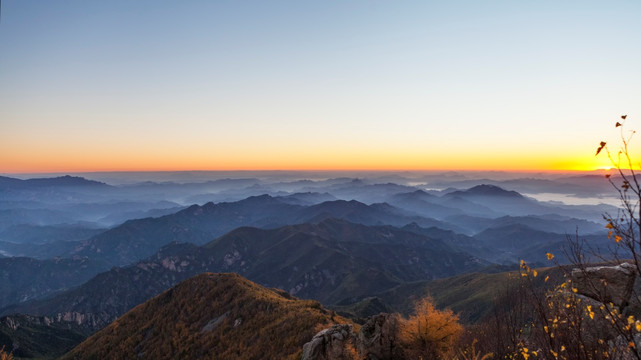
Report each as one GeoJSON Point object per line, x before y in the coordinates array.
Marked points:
{"type": "Point", "coordinates": [375, 341]}
{"type": "Point", "coordinates": [606, 284]}
{"type": "Point", "coordinates": [377, 338]}
{"type": "Point", "coordinates": [329, 344]}
{"type": "Point", "coordinates": [621, 350]}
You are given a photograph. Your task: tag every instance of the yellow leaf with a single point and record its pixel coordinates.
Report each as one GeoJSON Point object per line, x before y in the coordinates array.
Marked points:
{"type": "Point", "coordinates": [630, 320]}
{"type": "Point", "coordinates": [617, 238]}
{"type": "Point", "coordinates": [534, 273]}
{"type": "Point", "coordinates": [574, 290]}
{"type": "Point", "coordinates": [562, 348]}
{"type": "Point", "coordinates": [550, 256]}
{"type": "Point", "coordinates": [638, 325]}
{"type": "Point", "coordinates": [590, 312]}
{"type": "Point", "coordinates": [609, 234]}
{"type": "Point", "coordinates": [609, 226]}
{"type": "Point", "coordinates": [547, 278]}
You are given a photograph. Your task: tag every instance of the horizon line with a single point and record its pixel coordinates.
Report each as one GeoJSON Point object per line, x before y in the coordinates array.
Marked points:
{"type": "Point", "coordinates": [314, 170]}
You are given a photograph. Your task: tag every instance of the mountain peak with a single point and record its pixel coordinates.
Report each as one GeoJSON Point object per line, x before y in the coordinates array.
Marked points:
{"type": "Point", "coordinates": [66, 180]}
{"type": "Point", "coordinates": [490, 190]}
{"type": "Point", "coordinates": [211, 315]}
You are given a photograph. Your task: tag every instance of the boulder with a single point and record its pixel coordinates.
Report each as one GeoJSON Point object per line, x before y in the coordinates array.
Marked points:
{"type": "Point", "coordinates": [377, 338]}
{"type": "Point", "coordinates": [375, 341]}
{"type": "Point", "coordinates": [606, 284]}
{"type": "Point", "coordinates": [329, 344]}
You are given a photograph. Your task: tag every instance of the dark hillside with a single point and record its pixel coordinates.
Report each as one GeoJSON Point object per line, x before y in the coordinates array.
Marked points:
{"type": "Point", "coordinates": [332, 261]}
{"type": "Point", "coordinates": [37, 337]}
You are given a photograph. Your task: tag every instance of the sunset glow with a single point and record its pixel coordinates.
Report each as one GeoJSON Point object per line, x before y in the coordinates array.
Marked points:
{"type": "Point", "coordinates": [152, 86]}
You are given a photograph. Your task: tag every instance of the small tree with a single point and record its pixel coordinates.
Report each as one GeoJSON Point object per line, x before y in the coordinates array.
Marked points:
{"type": "Point", "coordinates": [587, 329]}
{"type": "Point", "coordinates": [625, 226]}
{"type": "Point", "coordinates": [429, 333]}
{"type": "Point", "coordinates": [579, 319]}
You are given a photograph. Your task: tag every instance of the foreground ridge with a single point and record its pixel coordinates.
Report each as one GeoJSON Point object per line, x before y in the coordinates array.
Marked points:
{"type": "Point", "coordinates": [211, 316]}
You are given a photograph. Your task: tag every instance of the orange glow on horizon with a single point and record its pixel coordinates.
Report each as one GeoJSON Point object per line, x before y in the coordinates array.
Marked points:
{"type": "Point", "coordinates": [305, 162]}
{"type": "Point", "coordinates": [291, 155]}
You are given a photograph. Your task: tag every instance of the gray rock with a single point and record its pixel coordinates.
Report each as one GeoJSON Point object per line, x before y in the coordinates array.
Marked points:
{"type": "Point", "coordinates": [329, 344]}
{"type": "Point", "coordinates": [213, 323]}
{"type": "Point", "coordinates": [377, 338]}
{"type": "Point", "coordinates": [606, 283]}
{"type": "Point", "coordinates": [620, 350]}
{"type": "Point", "coordinates": [375, 341]}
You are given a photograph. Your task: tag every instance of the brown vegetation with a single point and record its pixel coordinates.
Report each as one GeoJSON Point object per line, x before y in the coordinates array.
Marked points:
{"type": "Point", "coordinates": [4, 355]}
{"type": "Point", "coordinates": [211, 316]}
{"type": "Point", "coordinates": [589, 315]}
{"type": "Point", "coordinates": [429, 333]}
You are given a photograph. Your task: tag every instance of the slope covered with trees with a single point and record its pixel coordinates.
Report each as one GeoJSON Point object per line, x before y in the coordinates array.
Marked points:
{"type": "Point", "coordinates": [211, 316]}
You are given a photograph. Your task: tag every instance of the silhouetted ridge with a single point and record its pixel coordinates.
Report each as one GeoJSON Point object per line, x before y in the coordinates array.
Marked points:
{"type": "Point", "coordinates": [61, 181]}
{"type": "Point", "coordinates": [487, 190]}
{"type": "Point", "coordinates": [140, 238]}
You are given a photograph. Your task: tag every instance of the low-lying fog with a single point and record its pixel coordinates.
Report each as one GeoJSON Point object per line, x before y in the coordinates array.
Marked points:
{"type": "Point", "coordinates": [48, 214]}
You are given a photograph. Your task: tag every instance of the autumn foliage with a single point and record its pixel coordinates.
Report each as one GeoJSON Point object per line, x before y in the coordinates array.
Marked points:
{"type": "Point", "coordinates": [211, 316]}
{"type": "Point", "coordinates": [429, 333]}
{"type": "Point", "coordinates": [4, 355]}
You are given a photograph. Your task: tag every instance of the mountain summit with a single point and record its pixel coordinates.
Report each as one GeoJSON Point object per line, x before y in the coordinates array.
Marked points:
{"type": "Point", "coordinates": [487, 190]}
{"type": "Point", "coordinates": [211, 316]}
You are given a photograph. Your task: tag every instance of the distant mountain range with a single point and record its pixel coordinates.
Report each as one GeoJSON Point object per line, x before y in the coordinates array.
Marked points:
{"type": "Point", "coordinates": [354, 244]}
{"type": "Point", "coordinates": [137, 239]}
{"type": "Point", "coordinates": [505, 239]}
{"type": "Point", "coordinates": [331, 261]}
{"type": "Point", "coordinates": [26, 278]}
{"type": "Point", "coordinates": [580, 186]}
{"type": "Point", "coordinates": [7, 183]}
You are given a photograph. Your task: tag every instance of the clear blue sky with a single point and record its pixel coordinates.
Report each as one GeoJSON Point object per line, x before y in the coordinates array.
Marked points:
{"type": "Point", "coordinates": [153, 85]}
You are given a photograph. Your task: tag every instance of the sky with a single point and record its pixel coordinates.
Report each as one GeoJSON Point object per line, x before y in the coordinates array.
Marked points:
{"type": "Point", "coordinates": [148, 85]}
